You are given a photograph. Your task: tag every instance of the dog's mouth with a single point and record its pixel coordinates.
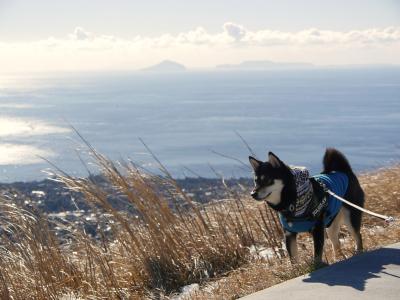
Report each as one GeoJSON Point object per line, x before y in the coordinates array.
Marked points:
{"type": "Point", "coordinates": [266, 196]}
{"type": "Point", "coordinates": [263, 198]}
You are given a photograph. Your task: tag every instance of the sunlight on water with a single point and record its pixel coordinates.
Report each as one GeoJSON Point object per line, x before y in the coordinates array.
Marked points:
{"type": "Point", "coordinates": [10, 127]}
{"type": "Point", "coordinates": [22, 154]}
{"type": "Point", "coordinates": [20, 128]}
{"type": "Point", "coordinates": [10, 81]}
{"type": "Point", "coordinates": [18, 81]}
{"type": "Point", "coordinates": [15, 106]}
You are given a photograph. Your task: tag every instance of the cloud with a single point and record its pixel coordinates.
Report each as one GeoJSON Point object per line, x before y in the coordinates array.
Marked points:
{"type": "Point", "coordinates": [86, 50]}
{"type": "Point", "coordinates": [232, 34]}
{"type": "Point", "coordinates": [314, 36]}
{"type": "Point", "coordinates": [237, 32]}
{"type": "Point", "coordinates": [80, 34]}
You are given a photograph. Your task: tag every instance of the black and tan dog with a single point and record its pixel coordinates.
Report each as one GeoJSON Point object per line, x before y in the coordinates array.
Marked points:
{"type": "Point", "coordinates": [304, 205]}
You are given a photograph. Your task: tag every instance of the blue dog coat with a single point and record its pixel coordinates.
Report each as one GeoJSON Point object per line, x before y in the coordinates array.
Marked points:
{"type": "Point", "coordinates": [337, 182]}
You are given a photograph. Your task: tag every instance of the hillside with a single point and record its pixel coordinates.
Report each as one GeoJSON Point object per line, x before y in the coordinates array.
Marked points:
{"type": "Point", "coordinates": [163, 242]}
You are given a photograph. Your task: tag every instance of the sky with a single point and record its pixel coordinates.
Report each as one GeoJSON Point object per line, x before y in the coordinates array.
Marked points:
{"type": "Point", "coordinates": [51, 35]}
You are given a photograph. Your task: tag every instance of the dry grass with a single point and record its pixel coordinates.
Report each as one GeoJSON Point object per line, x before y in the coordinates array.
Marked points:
{"type": "Point", "coordinates": [171, 242]}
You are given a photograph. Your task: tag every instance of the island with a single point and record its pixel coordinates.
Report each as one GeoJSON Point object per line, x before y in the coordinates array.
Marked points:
{"type": "Point", "coordinates": [166, 66]}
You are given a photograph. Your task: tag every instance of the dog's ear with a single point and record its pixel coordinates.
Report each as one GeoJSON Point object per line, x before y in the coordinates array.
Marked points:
{"type": "Point", "coordinates": [255, 163]}
{"type": "Point", "coordinates": [274, 160]}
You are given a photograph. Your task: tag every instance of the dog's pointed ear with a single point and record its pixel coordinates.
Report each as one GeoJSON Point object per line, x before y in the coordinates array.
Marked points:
{"type": "Point", "coordinates": [255, 163]}
{"type": "Point", "coordinates": [274, 160]}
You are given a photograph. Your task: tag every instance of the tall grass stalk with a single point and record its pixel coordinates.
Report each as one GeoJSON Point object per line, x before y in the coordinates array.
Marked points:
{"type": "Point", "coordinates": [165, 242]}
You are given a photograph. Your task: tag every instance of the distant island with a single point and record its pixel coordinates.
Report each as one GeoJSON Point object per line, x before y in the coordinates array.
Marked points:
{"type": "Point", "coordinates": [166, 66]}
{"type": "Point", "coordinates": [264, 65]}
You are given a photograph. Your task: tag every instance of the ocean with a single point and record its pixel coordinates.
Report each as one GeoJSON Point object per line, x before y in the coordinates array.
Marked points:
{"type": "Point", "coordinates": [191, 120]}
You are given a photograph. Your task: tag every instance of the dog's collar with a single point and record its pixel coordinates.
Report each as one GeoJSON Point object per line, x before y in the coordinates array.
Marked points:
{"type": "Point", "coordinates": [304, 191]}
{"type": "Point", "coordinates": [306, 203]}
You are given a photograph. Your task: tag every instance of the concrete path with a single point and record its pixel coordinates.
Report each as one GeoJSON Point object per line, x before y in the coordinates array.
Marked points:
{"type": "Point", "coordinates": [371, 275]}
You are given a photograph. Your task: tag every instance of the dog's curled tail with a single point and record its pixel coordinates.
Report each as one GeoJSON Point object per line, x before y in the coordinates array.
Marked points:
{"type": "Point", "coordinates": [334, 160]}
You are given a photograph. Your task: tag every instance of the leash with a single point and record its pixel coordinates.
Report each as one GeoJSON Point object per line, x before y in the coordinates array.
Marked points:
{"type": "Point", "coordinates": [388, 219]}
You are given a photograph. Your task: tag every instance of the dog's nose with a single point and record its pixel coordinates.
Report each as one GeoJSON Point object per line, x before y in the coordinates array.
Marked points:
{"type": "Point", "coordinates": [253, 193]}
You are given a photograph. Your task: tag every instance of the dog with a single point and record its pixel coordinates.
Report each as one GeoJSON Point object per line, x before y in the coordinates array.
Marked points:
{"type": "Point", "coordinates": [303, 204]}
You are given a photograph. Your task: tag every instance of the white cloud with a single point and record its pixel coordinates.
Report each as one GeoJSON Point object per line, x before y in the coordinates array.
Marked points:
{"type": "Point", "coordinates": [315, 36]}
{"type": "Point", "coordinates": [232, 34]}
{"type": "Point", "coordinates": [83, 49]}
{"type": "Point", "coordinates": [81, 34]}
{"type": "Point", "coordinates": [237, 32]}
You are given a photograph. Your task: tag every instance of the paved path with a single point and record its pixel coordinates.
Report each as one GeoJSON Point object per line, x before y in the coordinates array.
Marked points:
{"type": "Point", "coordinates": [371, 275]}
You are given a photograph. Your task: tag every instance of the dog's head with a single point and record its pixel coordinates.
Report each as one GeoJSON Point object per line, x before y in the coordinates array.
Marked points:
{"type": "Point", "coordinates": [270, 178]}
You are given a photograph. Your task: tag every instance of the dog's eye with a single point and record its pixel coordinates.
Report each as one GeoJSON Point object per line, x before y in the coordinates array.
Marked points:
{"type": "Point", "coordinates": [258, 180]}
{"type": "Point", "coordinates": [268, 181]}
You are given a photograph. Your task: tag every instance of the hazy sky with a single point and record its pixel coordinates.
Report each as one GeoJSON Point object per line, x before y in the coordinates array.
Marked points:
{"type": "Point", "coordinates": [43, 35]}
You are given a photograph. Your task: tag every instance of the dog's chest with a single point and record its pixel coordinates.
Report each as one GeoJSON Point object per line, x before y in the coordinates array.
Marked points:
{"type": "Point", "coordinates": [336, 182]}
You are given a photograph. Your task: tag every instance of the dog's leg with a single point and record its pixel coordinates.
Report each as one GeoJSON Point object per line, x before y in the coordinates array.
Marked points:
{"type": "Point", "coordinates": [291, 246]}
{"type": "Point", "coordinates": [352, 220]}
{"type": "Point", "coordinates": [318, 234]}
{"type": "Point", "coordinates": [333, 234]}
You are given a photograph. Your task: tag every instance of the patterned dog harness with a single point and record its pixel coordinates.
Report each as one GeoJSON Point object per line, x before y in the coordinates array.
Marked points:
{"type": "Point", "coordinates": [304, 214]}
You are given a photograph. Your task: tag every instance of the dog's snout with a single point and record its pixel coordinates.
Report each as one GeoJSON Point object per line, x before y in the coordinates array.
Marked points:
{"type": "Point", "coordinates": [253, 193]}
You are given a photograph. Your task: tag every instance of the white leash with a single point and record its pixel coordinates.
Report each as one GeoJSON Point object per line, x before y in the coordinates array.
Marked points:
{"type": "Point", "coordinates": [387, 219]}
